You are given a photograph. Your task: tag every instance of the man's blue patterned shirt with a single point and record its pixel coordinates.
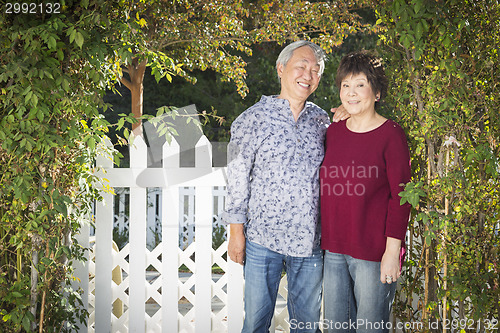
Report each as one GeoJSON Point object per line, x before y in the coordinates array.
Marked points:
{"type": "Point", "coordinates": [273, 175]}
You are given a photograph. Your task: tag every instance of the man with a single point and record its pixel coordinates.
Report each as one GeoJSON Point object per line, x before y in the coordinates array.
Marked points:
{"type": "Point", "coordinates": [272, 205]}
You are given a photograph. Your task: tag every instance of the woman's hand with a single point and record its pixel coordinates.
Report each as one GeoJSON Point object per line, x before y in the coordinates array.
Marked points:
{"type": "Point", "coordinates": [339, 113]}
{"type": "Point", "coordinates": [389, 266]}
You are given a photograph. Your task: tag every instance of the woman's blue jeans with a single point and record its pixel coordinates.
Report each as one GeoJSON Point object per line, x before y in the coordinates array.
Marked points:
{"type": "Point", "coordinates": [263, 269]}
{"type": "Point", "coordinates": [355, 299]}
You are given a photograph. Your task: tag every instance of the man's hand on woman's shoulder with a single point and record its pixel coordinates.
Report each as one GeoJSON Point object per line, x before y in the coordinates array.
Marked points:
{"type": "Point", "coordinates": [339, 113]}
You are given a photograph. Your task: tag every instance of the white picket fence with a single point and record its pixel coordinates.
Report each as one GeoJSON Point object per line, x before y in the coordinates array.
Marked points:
{"type": "Point", "coordinates": [153, 216]}
{"type": "Point", "coordinates": [168, 288]}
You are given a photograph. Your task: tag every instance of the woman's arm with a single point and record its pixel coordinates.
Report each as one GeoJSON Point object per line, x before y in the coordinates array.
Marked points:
{"type": "Point", "coordinates": [389, 266]}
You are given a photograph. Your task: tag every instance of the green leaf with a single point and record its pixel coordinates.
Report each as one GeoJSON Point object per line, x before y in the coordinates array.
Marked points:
{"type": "Point", "coordinates": [65, 84]}
{"type": "Point", "coordinates": [26, 323]}
{"type": "Point", "coordinates": [60, 54]}
{"type": "Point", "coordinates": [34, 100]}
{"type": "Point", "coordinates": [447, 41]}
{"type": "Point", "coordinates": [27, 98]}
{"type": "Point", "coordinates": [40, 115]}
{"type": "Point", "coordinates": [120, 124]}
{"type": "Point", "coordinates": [79, 39]}
{"type": "Point", "coordinates": [418, 7]}
{"type": "Point", "coordinates": [91, 143]}
{"type": "Point", "coordinates": [51, 43]}
{"type": "Point", "coordinates": [72, 34]}
{"type": "Point", "coordinates": [419, 31]}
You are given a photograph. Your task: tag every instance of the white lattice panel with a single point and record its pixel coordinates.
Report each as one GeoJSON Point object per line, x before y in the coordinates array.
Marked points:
{"type": "Point", "coordinates": [186, 288]}
{"type": "Point", "coordinates": [281, 316]}
{"type": "Point", "coordinates": [119, 325]}
{"type": "Point", "coordinates": [120, 289]}
{"type": "Point", "coordinates": [153, 288]}
{"type": "Point", "coordinates": [219, 290]}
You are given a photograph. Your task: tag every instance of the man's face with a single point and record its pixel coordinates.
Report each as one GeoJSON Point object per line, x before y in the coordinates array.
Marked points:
{"type": "Point", "coordinates": [300, 77]}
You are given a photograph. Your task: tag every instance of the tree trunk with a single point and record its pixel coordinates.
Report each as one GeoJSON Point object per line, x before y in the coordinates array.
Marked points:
{"type": "Point", "coordinates": [36, 242]}
{"type": "Point", "coordinates": [34, 286]}
{"type": "Point", "coordinates": [443, 246]}
{"type": "Point", "coordinates": [136, 72]}
{"type": "Point", "coordinates": [430, 283]}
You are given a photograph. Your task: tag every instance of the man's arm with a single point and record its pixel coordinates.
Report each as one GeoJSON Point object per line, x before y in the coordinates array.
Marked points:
{"type": "Point", "coordinates": [241, 156]}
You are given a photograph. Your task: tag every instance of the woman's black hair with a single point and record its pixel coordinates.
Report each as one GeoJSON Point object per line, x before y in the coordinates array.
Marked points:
{"type": "Point", "coordinates": [363, 62]}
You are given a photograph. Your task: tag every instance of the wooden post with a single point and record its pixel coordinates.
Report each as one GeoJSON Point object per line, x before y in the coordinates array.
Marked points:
{"type": "Point", "coordinates": [443, 247]}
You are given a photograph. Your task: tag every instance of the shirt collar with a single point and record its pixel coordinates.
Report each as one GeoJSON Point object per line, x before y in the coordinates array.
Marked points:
{"type": "Point", "coordinates": [283, 105]}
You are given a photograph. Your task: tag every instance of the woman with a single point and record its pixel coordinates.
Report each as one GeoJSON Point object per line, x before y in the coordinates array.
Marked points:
{"type": "Point", "coordinates": [365, 167]}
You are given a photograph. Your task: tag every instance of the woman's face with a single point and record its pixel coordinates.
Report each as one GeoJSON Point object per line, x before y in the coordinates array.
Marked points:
{"type": "Point", "coordinates": [357, 95]}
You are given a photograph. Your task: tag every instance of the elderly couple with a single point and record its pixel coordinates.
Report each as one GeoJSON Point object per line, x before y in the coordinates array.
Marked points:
{"type": "Point", "coordinates": [288, 168]}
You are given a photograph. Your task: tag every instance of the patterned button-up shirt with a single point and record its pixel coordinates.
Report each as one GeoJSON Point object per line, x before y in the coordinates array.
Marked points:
{"type": "Point", "coordinates": [273, 175]}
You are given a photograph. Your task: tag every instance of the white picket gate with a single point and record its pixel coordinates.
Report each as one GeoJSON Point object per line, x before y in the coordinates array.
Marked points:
{"type": "Point", "coordinates": [169, 288]}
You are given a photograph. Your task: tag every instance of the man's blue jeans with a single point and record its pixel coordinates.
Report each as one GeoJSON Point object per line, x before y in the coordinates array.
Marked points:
{"type": "Point", "coordinates": [263, 269]}
{"type": "Point", "coordinates": [355, 299]}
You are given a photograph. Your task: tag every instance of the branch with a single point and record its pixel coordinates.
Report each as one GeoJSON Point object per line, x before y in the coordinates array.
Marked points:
{"type": "Point", "coordinates": [440, 163]}
{"type": "Point", "coordinates": [126, 83]}
{"type": "Point", "coordinates": [143, 64]}
{"type": "Point", "coordinates": [239, 39]}
{"type": "Point", "coordinates": [11, 82]}
{"type": "Point", "coordinates": [222, 39]}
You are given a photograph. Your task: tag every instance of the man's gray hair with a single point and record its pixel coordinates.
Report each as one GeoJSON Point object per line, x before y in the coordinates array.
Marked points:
{"type": "Point", "coordinates": [287, 52]}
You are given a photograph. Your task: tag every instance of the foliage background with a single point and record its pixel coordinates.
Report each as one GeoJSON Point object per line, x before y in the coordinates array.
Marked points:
{"type": "Point", "coordinates": [443, 57]}
{"type": "Point", "coordinates": [60, 96]}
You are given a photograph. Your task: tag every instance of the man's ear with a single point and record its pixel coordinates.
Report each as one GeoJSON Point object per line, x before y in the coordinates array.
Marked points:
{"type": "Point", "coordinates": [279, 69]}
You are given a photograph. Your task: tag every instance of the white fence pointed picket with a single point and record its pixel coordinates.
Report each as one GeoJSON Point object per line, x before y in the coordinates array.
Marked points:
{"type": "Point", "coordinates": [203, 234]}
{"type": "Point", "coordinates": [170, 241]}
{"type": "Point", "coordinates": [137, 240]}
{"type": "Point", "coordinates": [103, 263]}
{"type": "Point", "coordinates": [102, 275]}
{"type": "Point", "coordinates": [235, 290]}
